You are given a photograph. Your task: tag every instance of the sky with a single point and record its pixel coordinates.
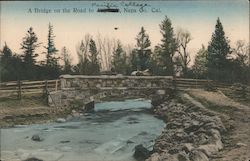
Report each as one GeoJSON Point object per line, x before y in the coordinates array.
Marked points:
{"type": "Point", "coordinates": [198, 17]}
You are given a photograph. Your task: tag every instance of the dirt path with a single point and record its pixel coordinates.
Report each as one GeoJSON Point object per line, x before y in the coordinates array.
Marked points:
{"type": "Point", "coordinates": [235, 116]}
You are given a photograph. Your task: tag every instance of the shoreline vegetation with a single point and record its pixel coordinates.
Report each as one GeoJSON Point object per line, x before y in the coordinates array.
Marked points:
{"type": "Point", "coordinates": [186, 114]}
{"type": "Point", "coordinates": [29, 110]}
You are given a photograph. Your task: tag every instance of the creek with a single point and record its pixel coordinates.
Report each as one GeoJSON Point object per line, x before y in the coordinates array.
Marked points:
{"type": "Point", "coordinates": [109, 133]}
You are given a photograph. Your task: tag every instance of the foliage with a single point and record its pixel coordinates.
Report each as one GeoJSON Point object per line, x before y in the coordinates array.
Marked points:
{"type": "Point", "coordinates": [239, 63]}
{"type": "Point", "coordinates": [183, 58]}
{"type": "Point", "coordinates": [167, 47]}
{"type": "Point", "coordinates": [11, 65]}
{"type": "Point", "coordinates": [200, 63]}
{"type": "Point", "coordinates": [142, 50]}
{"type": "Point", "coordinates": [51, 59]}
{"type": "Point", "coordinates": [156, 66]}
{"type": "Point", "coordinates": [67, 65]}
{"type": "Point", "coordinates": [29, 45]}
{"type": "Point", "coordinates": [94, 65]}
{"type": "Point", "coordinates": [171, 57]}
{"type": "Point", "coordinates": [82, 66]}
{"type": "Point", "coordinates": [218, 52]}
{"type": "Point", "coordinates": [119, 60]}
{"type": "Point", "coordinates": [51, 68]}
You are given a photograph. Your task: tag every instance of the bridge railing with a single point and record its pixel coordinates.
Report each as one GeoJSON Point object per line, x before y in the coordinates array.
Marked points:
{"type": "Point", "coordinates": [25, 87]}
{"type": "Point", "coordinates": [129, 82]}
{"type": "Point", "coordinates": [134, 82]}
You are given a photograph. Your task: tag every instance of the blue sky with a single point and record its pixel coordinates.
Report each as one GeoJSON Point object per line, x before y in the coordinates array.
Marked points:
{"type": "Point", "coordinates": [198, 17]}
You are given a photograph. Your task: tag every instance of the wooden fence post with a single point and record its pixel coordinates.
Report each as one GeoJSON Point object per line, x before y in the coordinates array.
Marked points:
{"type": "Point", "coordinates": [56, 85]}
{"type": "Point", "coordinates": [174, 82]}
{"type": "Point", "coordinates": [46, 91]}
{"type": "Point", "coordinates": [19, 92]}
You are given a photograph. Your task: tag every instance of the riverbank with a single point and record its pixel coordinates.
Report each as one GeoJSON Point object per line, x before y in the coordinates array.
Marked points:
{"type": "Point", "coordinates": [199, 124]}
{"type": "Point", "coordinates": [33, 109]}
{"type": "Point", "coordinates": [28, 110]}
{"type": "Point", "coordinates": [202, 126]}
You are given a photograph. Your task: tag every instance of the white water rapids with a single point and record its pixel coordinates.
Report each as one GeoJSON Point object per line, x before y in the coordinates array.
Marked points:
{"type": "Point", "coordinates": [110, 133]}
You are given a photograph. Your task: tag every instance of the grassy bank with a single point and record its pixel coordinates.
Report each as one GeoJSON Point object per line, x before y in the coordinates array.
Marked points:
{"type": "Point", "coordinates": [30, 109]}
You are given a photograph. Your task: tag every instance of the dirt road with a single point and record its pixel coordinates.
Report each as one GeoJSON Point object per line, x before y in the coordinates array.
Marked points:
{"type": "Point", "coordinates": [235, 117]}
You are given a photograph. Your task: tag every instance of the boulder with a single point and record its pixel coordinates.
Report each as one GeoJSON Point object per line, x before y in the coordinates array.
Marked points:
{"type": "Point", "coordinates": [187, 147]}
{"type": "Point", "coordinates": [61, 120]}
{"type": "Point", "coordinates": [36, 137]}
{"type": "Point", "coordinates": [89, 107]}
{"type": "Point", "coordinates": [33, 159]}
{"type": "Point", "coordinates": [197, 155]}
{"type": "Point", "coordinates": [141, 153]}
{"type": "Point", "coordinates": [182, 156]}
{"type": "Point", "coordinates": [154, 157]}
{"type": "Point", "coordinates": [192, 128]}
{"type": "Point", "coordinates": [209, 149]}
{"type": "Point", "coordinates": [241, 144]}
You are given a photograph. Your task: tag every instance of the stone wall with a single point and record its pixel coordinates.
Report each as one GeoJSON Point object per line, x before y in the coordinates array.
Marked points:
{"type": "Point", "coordinates": [78, 90]}
{"type": "Point", "coordinates": [92, 82]}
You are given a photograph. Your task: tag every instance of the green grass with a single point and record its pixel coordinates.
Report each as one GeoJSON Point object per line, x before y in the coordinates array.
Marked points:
{"type": "Point", "coordinates": [214, 107]}
{"type": "Point", "coordinates": [27, 101]}
{"type": "Point", "coordinates": [230, 93]}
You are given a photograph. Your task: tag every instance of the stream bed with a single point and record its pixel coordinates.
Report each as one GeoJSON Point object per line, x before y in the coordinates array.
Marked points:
{"type": "Point", "coordinates": [108, 134]}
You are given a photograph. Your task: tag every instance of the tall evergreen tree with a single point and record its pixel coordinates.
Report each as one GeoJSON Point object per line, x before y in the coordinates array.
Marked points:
{"type": "Point", "coordinates": [51, 59]}
{"type": "Point", "coordinates": [142, 50]}
{"type": "Point", "coordinates": [52, 68]}
{"type": "Point", "coordinates": [6, 63]}
{"type": "Point", "coordinates": [11, 65]}
{"type": "Point", "coordinates": [218, 51]}
{"type": "Point", "coordinates": [168, 47]}
{"type": "Point", "coordinates": [29, 45]}
{"type": "Point", "coordinates": [94, 67]}
{"type": "Point", "coordinates": [119, 60]}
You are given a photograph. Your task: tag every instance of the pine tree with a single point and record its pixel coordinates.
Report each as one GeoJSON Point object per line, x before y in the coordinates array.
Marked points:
{"type": "Point", "coordinates": [218, 50]}
{"type": "Point", "coordinates": [168, 47]}
{"type": "Point", "coordinates": [5, 61]}
{"type": "Point", "coordinates": [52, 60]}
{"type": "Point", "coordinates": [6, 53]}
{"type": "Point", "coordinates": [52, 68]}
{"type": "Point", "coordinates": [200, 63]}
{"type": "Point", "coordinates": [142, 50]}
{"type": "Point", "coordinates": [29, 45]}
{"type": "Point", "coordinates": [94, 67]}
{"type": "Point", "coordinates": [119, 60]}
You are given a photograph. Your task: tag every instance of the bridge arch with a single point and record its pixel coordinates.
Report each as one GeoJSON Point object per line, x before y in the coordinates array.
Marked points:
{"type": "Point", "coordinates": [79, 90]}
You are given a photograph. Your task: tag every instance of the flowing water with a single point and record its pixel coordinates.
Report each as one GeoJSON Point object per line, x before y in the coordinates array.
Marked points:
{"type": "Point", "coordinates": [110, 133]}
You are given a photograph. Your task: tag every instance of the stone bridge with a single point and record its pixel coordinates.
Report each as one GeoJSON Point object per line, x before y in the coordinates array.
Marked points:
{"type": "Point", "coordinates": [79, 90]}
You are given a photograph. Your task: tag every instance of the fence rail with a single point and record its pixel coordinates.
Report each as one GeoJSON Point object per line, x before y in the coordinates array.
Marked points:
{"type": "Point", "coordinates": [20, 88]}
{"type": "Point", "coordinates": [199, 83]}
